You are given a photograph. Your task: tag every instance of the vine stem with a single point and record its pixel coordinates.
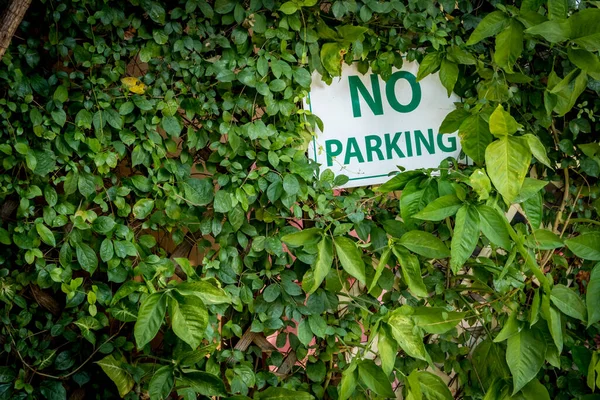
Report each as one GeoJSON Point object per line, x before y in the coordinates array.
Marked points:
{"type": "Point", "coordinates": [564, 201]}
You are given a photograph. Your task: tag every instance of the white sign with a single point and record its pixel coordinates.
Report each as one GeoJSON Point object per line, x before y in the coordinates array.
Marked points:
{"type": "Point", "coordinates": [371, 126]}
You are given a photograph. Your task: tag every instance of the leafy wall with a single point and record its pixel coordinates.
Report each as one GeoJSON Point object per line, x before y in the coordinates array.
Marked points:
{"type": "Point", "coordinates": [139, 134]}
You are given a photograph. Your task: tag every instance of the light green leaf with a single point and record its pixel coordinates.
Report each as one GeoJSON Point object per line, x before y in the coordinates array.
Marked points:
{"type": "Point", "coordinates": [502, 123]}
{"type": "Point", "coordinates": [348, 383]}
{"type": "Point", "coordinates": [448, 75]}
{"type": "Point", "coordinates": [411, 271]}
{"type": "Point", "coordinates": [61, 94]}
{"type": "Point", "coordinates": [586, 246]}
{"type": "Point", "coordinates": [537, 149]}
{"type": "Point", "coordinates": [350, 257]}
{"type": "Point", "coordinates": [558, 9]}
{"type": "Point", "coordinates": [206, 291]}
{"type": "Point", "coordinates": [530, 188]}
{"type": "Point", "coordinates": [585, 29]}
{"type": "Point", "coordinates": [409, 338]}
{"type": "Point", "coordinates": [475, 137]}
{"type": "Point", "coordinates": [161, 384]}
{"type": "Point", "coordinates": [567, 301]}
{"type": "Point", "coordinates": [493, 226]}
{"type": "Point", "coordinates": [480, 183]}
{"type": "Point", "coordinates": [142, 208]}
{"type": "Point", "coordinates": [424, 244]}
{"type": "Point", "coordinates": [274, 393]}
{"type": "Point", "coordinates": [375, 379]}
{"type": "Point", "coordinates": [431, 386]}
{"type": "Point", "coordinates": [303, 237]}
{"type": "Point", "coordinates": [45, 234]}
{"type": "Point", "coordinates": [553, 318]}
{"type": "Point", "coordinates": [534, 390]}
{"type": "Point", "coordinates": [465, 237]}
{"type": "Point", "coordinates": [331, 57]}
{"type": "Point", "coordinates": [585, 60]}
{"type": "Point", "coordinates": [117, 373]}
{"type": "Point", "coordinates": [198, 192]}
{"type": "Point", "coordinates": [543, 239]}
{"type": "Point", "coordinates": [387, 348]}
{"type": "Point", "coordinates": [511, 327]}
{"type": "Point", "coordinates": [592, 296]}
{"type": "Point", "coordinates": [436, 320]}
{"type": "Point", "coordinates": [525, 356]}
{"type": "Point", "coordinates": [431, 62]}
{"type": "Point", "coordinates": [289, 7]}
{"type": "Point", "coordinates": [509, 45]}
{"type": "Point", "coordinates": [491, 25]}
{"type": "Point", "coordinates": [189, 319]}
{"type": "Point", "coordinates": [552, 31]}
{"type": "Point", "coordinates": [150, 318]}
{"type": "Point", "coordinates": [383, 261]}
{"type": "Point", "coordinates": [440, 208]}
{"type": "Point", "coordinates": [507, 162]}
{"type": "Point", "coordinates": [323, 262]}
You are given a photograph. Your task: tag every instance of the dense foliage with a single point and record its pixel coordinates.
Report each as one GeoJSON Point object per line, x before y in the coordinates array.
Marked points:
{"type": "Point", "coordinates": [137, 135]}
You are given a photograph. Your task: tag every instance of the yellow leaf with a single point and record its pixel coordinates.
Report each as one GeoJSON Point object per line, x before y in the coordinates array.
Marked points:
{"type": "Point", "coordinates": [134, 85]}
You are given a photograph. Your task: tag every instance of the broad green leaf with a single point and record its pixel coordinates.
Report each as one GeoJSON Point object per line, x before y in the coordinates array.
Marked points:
{"type": "Point", "coordinates": [323, 262]}
{"type": "Point", "coordinates": [411, 271]}
{"type": "Point", "coordinates": [440, 208]}
{"type": "Point", "coordinates": [489, 363]}
{"type": "Point", "coordinates": [383, 261]}
{"type": "Point", "coordinates": [350, 257]}
{"type": "Point", "coordinates": [507, 162]}
{"type": "Point", "coordinates": [567, 301]}
{"type": "Point", "coordinates": [552, 31]}
{"type": "Point", "coordinates": [534, 390]}
{"type": "Point", "coordinates": [387, 348]}
{"type": "Point", "coordinates": [161, 384]}
{"type": "Point", "coordinates": [142, 208]}
{"type": "Point", "coordinates": [50, 390]}
{"type": "Point", "coordinates": [305, 334]}
{"type": "Point", "coordinates": [475, 137]}
{"type": "Point", "coordinates": [274, 393]}
{"type": "Point", "coordinates": [399, 181]}
{"type": "Point", "coordinates": [222, 202]}
{"type": "Point", "coordinates": [585, 60]}
{"type": "Point", "coordinates": [430, 63]}
{"type": "Point", "coordinates": [436, 320]}
{"type": "Point", "coordinates": [493, 226]}
{"type": "Point", "coordinates": [525, 356]}
{"type": "Point", "coordinates": [453, 120]}
{"type": "Point", "coordinates": [509, 45]}
{"type": "Point", "coordinates": [502, 123]}
{"type": "Point", "coordinates": [303, 237]}
{"type": "Point", "coordinates": [424, 244]}
{"type": "Point", "coordinates": [543, 239]}
{"type": "Point", "coordinates": [375, 379]}
{"type": "Point", "coordinates": [203, 383]}
{"type": "Point", "coordinates": [189, 319]}
{"type": "Point", "coordinates": [224, 6]}
{"type": "Point", "coordinates": [558, 9]}
{"type": "Point", "coordinates": [431, 386]}
{"type": "Point", "coordinates": [117, 373]}
{"type": "Point", "coordinates": [331, 57]}
{"type": "Point", "coordinates": [206, 291]}
{"type": "Point", "coordinates": [171, 125]}
{"type": "Point", "coordinates": [45, 234]}
{"type": "Point", "coordinates": [448, 75]}
{"type": "Point", "coordinates": [511, 327]}
{"type": "Point", "coordinates": [586, 246]}
{"type": "Point", "coordinates": [150, 318]}
{"type": "Point", "coordinates": [348, 383]}
{"type": "Point", "coordinates": [491, 25]}
{"type": "Point", "coordinates": [409, 338]}
{"type": "Point", "coordinates": [198, 192]}
{"type": "Point", "coordinates": [289, 7]}
{"type": "Point", "coordinates": [107, 250]}
{"type": "Point", "coordinates": [104, 224]}
{"type": "Point", "coordinates": [568, 95]}
{"type": "Point", "coordinates": [530, 188]}
{"type": "Point", "coordinates": [86, 257]}
{"type": "Point", "coordinates": [537, 149]}
{"type": "Point", "coordinates": [554, 320]}
{"type": "Point", "coordinates": [465, 236]}
{"type": "Point", "coordinates": [480, 183]}
{"type": "Point", "coordinates": [592, 296]}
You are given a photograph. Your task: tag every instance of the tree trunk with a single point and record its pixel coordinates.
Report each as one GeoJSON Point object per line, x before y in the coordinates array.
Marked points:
{"type": "Point", "coordinates": [9, 22]}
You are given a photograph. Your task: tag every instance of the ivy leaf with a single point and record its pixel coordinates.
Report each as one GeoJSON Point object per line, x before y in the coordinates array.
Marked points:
{"type": "Point", "coordinates": [586, 246]}
{"type": "Point", "coordinates": [525, 356]}
{"type": "Point", "coordinates": [424, 244]}
{"type": "Point", "coordinates": [491, 25]}
{"type": "Point", "coordinates": [142, 208]}
{"type": "Point", "coordinates": [86, 257]}
{"type": "Point", "coordinates": [509, 45]}
{"type": "Point", "coordinates": [150, 318]}
{"type": "Point", "coordinates": [350, 257]}
{"type": "Point", "coordinates": [199, 192]}
{"type": "Point", "coordinates": [189, 319]}
{"type": "Point", "coordinates": [507, 162]}
{"type": "Point", "coordinates": [303, 237]}
{"type": "Point", "coordinates": [161, 384]}
{"type": "Point", "coordinates": [45, 234]}
{"type": "Point", "coordinates": [448, 75]}
{"type": "Point", "coordinates": [475, 137]}
{"type": "Point", "coordinates": [171, 125]}
{"type": "Point", "coordinates": [375, 379]}
{"type": "Point", "coordinates": [222, 202]}
{"type": "Point", "coordinates": [117, 373]}
{"type": "Point", "coordinates": [465, 237]}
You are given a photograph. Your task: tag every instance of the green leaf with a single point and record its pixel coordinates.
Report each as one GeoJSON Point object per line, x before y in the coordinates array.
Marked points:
{"type": "Point", "coordinates": [171, 125]}
{"type": "Point", "coordinates": [534, 390]}
{"type": "Point", "coordinates": [206, 291]}
{"type": "Point", "coordinates": [206, 384]}
{"type": "Point", "coordinates": [592, 296]}
{"type": "Point", "coordinates": [103, 224]}
{"type": "Point", "coordinates": [348, 383]}
{"type": "Point", "coordinates": [475, 137]}
{"type": "Point", "coordinates": [409, 338]}
{"type": "Point", "coordinates": [59, 116]}
{"type": "Point", "coordinates": [424, 244]}
{"type": "Point", "coordinates": [150, 318]}
{"type": "Point", "coordinates": [411, 271]}
{"type": "Point", "coordinates": [126, 108]}
{"type": "Point", "coordinates": [387, 348]}
{"type": "Point", "coordinates": [525, 356]}
{"type": "Point", "coordinates": [86, 257]}
{"type": "Point", "coordinates": [431, 62]}
{"type": "Point", "coordinates": [507, 162]}
{"type": "Point", "coordinates": [586, 61]}
{"type": "Point", "coordinates": [274, 393]}
{"type": "Point", "coordinates": [224, 6]}
{"type": "Point", "coordinates": [107, 250]}
{"type": "Point", "coordinates": [440, 208]}
{"type": "Point", "coordinates": [502, 123]}
{"type": "Point", "coordinates": [542, 239]}
{"type": "Point", "coordinates": [489, 363]}
{"type": "Point", "coordinates": [530, 188]}
{"type": "Point", "coordinates": [491, 25]}
{"type": "Point", "coordinates": [331, 57]}
{"type": "Point", "coordinates": [198, 192]}
{"type": "Point", "coordinates": [586, 246]}
{"type": "Point", "coordinates": [323, 262]}
{"type": "Point", "coordinates": [558, 9]}
{"type": "Point", "coordinates": [189, 319]}
{"type": "Point", "coordinates": [305, 334]}
{"type": "Point", "coordinates": [436, 320]}
{"type": "Point", "coordinates": [222, 202]}
{"type": "Point", "coordinates": [431, 386]}
{"type": "Point", "coordinates": [289, 7]}
{"type": "Point", "coordinates": [511, 327]}
{"type": "Point", "coordinates": [453, 120]}
{"type": "Point", "coordinates": [45, 234]}
{"type": "Point", "coordinates": [480, 183]}
{"type": "Point", "coordinates": [493, 226]}
{"type": "Point", "coordinates": [567, 301]}
{"type": "Point", "coordinates": [142, 208]}
{"type": "Point", "coordinates": [383, 261]}
{"type": "Point", "coordinates": [448, 75]}
{"type": "Point", "coordinates": [585, 30]}
{"type": "Point", "coordinates": [465, 237]}
{"type": "Point", "coordinates": [117, 373]}
{"type": "Point", "coordinates": [554, 319]}
{"type": "Point", "coordinates": [399, 181]}
{"type": "Point", "coordinates": [113, 118]}
{"type": "Point", "coordinates": [303, 237]}
{"type": "Point", "coordinates": [61, 94]}
{"type": "Point", "coordinates": [552, 31]}
{"type": "Point", "coordinates": [537, 149]}
{"type": "Point", "coordinates": [375, 379]}
{"type": "Point", "coordinates": [350, 257]}
{"type": "Point", "coordinates": [161, 384]}
{"type": "Point", "coordinates": [509, 45]}
{"type": "Point", "coordinates": [53, 390]}
{"type": "Point", "coordinates": [569, 92]}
